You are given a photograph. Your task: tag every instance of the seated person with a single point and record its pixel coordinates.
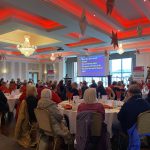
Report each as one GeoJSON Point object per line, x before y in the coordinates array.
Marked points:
{"type": "Point", "coordinates": [61, 90]}
{"type": "Point", "coordinates": [93, 85]}
{"type": "Point", "coordinates": [55, 96]}
{"type": "Point", "coordinates": [4, 108]}
{"type": "Point", "coordinates": [84, 87]}
{"type": "Point", "coordinates": [90, 102]}
{"type": "Point", "coordinates": [56, 117]}
{"type": "Point", "coordinates": [4, 88]}
{"type": "Point", "coordinates": [148, 97]}
{"type": "Point", "coordinates": [100, 90]}
{"type": "Point", "coordinates": [12, 86]}
{"type": "Point", "coordinates": [27, 120]}
{"type": "Point", "coordinates": [132, 108]}
{"type": "Point", "coordinates": [74, 90]}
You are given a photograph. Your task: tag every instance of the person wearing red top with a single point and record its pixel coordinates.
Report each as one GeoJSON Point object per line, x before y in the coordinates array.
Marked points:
{"type": "Point", "coordinates": [40, 87]}
{"type": "Point", "coordinates": [90, 103]}
{"type": "Point", "coordinates": [4, 88]}
{"type": "Point", "coordinates": [148, 84]}
{"type": "Point", "coordinates": [12, 86]}
{"type": "Point", "coordinates": [55, 96]}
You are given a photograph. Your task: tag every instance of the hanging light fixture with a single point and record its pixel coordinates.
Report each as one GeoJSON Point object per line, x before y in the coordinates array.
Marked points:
{"type": "Point", "coordinates": [26, 48]}
{"type": "Point", "coordinates": [52, 57]}
{"type": "Point", "coordinates": [120, 50]}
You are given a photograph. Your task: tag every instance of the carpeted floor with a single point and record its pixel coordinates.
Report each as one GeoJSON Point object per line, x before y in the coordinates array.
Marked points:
{"type": "Point", "coordinates": [7, 143]}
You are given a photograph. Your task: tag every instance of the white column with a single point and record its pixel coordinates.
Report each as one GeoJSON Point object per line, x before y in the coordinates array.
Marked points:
{"type": "Point", "coordinates": [62, 69]}
{"type": "Point", "coordinates": [20, 70]}
{"type": "Point", "coordinates": [13, 69]}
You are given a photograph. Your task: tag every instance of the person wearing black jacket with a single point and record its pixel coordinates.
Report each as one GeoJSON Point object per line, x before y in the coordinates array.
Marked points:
{"type": "Point", "coordinates": [100, 90]}
{"type": "Point", "coordinates": [132, 108]}
{"type": "Point", "coordinates": [74, 90]}
{"type": "Point", "coordinates": [4, 108]}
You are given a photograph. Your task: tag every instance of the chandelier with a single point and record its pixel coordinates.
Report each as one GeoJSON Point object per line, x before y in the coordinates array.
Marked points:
{"type": "Point", "coordinates": [120, 50]}
{"type": "Point", "coordinates": [26, 48]}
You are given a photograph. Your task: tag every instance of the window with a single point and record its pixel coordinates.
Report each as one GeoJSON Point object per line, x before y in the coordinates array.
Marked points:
{"type": "Point", "coordinates": [121, 69]}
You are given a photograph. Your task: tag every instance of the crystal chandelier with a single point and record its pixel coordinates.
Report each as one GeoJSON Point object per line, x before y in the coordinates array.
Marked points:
{"type": "Point", "coordinates": [120, 50]}
{"type": "Point", "coordinates": [26, 48]}
{"type": "Point", "coordinates": [52, 57]}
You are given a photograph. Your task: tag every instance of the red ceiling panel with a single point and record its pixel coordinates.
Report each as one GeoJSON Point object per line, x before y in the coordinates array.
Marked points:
{"type": "Point", "coordinates": [88, 41]}
{"type": "Point", "coordinates": [47, 24]}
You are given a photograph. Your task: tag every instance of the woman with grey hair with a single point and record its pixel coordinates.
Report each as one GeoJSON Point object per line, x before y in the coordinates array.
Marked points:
{"type": "Point", "coordinates": [90, 102]}
{"type": "Point", "coordinates": [55, 115]}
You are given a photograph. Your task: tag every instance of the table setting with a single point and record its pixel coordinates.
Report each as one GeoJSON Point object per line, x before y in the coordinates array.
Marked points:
{"type": "Point", "coordinates": [69, 108]}
{"type": "Point", "coordinates": [12, 99]}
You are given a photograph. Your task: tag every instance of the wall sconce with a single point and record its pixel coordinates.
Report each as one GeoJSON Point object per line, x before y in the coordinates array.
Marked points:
{"type": "Point", "coordinates": [45, 72]}
{"type": "Point", "coordinates": [4, 71]}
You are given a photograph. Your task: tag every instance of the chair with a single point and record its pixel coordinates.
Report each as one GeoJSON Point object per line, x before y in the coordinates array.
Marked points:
{"type": "Point", "coordinates": [140, 129]}
{"type": "Point", "coordinates": [44, 121]}
{"type": "Point", "coordinates": [143, 123]}
{"type": "Point", "coordinates": [89, 127]}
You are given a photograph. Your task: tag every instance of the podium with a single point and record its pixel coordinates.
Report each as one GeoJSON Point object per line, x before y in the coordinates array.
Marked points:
{"type": "Point", "coordinates": [66, 80]}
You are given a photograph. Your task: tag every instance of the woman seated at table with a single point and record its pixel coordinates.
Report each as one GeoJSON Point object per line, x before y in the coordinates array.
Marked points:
{"type": "Point", "coordinates": [56, 117]}
{"type": "Point", "coordinates": [4, 88]}
{"type": "Point", "coordinates": [26, 126]}
{"type": "Point", "coordinates": [74, 90]}
{"type": "Point", "coordinates": [90, 103]}
{"type": "Point", "coordinates": [12, 86]}
{"type": "Point", "coordinates": [55, 96]}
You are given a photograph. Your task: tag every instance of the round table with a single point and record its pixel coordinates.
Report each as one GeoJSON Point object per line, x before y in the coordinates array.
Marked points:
{"type": "Point", "coordinates": [110, 116]}
{"type": "Point", "coordinates": [12, 100]}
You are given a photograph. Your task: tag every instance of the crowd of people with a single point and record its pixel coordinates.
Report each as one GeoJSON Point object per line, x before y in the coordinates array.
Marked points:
{"type": "Point", "coordinates": [48, 95]}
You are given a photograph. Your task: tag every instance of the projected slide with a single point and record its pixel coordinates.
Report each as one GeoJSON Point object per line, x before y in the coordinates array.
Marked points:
{"type": "Point", "coordinates": [91, 66]}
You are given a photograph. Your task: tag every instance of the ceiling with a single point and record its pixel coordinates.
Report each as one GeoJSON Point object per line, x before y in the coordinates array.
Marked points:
{"type": "Point", "coordinates": [55, 23]}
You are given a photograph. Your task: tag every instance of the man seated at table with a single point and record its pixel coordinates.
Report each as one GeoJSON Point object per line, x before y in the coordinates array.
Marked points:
{"type": "Point", "coordinates": [132, 108]}
{"type": "Point", "coordinates": [90, 103]}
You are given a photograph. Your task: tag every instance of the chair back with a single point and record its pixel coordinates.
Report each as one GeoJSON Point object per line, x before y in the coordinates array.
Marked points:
{"type": "Point", "coordinates": [89, 124]}
{"type": "Point", "coordinates": [143, 123]}
{"type": "Point", "coordinates": [96, 127]}
{"type": "Point", "coordinates": [44, 121]}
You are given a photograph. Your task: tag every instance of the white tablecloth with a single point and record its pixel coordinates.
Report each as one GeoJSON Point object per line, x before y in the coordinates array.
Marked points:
{"type": "Point", "coordinates": [110, 117]}
{"type": "Point", "coordinates": [12, 100]}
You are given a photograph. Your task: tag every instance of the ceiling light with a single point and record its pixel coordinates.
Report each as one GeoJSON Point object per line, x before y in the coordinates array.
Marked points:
{"type": "Point", "coordinates": [94, 15]}
{"type": "Point", "coordinates": [120, 50]}
{"type": "Point", "coordinates": [26, 48]}
{"type": "Point", "coordinates": [52, 58]}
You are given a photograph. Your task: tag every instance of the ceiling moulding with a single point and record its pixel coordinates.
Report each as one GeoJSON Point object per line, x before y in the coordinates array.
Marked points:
{"type": "Point", "coordinates": [34, 20]}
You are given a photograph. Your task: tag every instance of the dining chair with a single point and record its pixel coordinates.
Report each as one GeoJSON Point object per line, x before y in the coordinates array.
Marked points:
{"type": "Point", "coordinates": [45, 125]}
{"type": "Point", "coordinates": [143, 123]}
{"type": "Point", "coordinates": [89, 127]}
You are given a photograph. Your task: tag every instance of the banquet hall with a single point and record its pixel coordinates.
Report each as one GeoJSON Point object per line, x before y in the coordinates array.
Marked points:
{"type": "Point", "coordinates": [74, 74]}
